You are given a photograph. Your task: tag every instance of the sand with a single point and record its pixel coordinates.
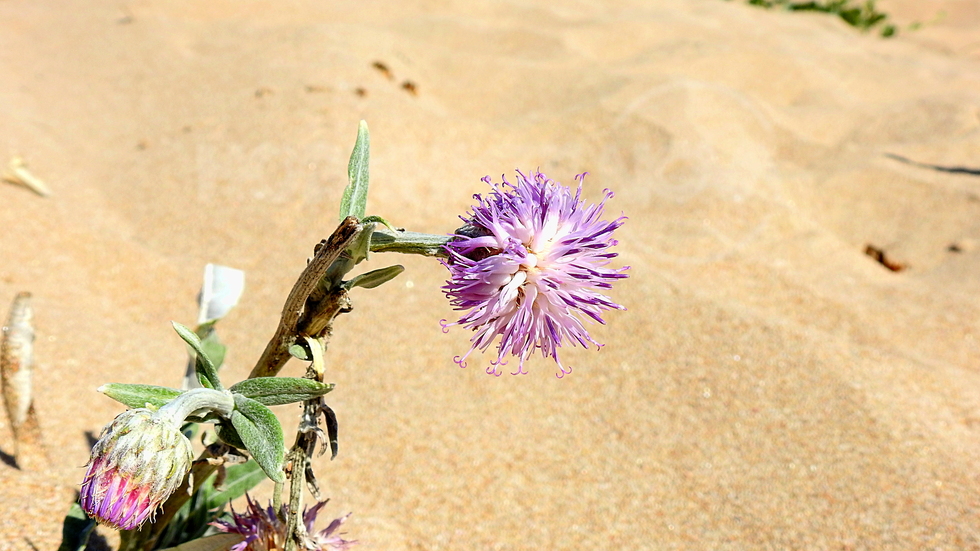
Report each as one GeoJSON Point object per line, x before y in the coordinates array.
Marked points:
{"type": "Point", "coordinates": [770, 386]}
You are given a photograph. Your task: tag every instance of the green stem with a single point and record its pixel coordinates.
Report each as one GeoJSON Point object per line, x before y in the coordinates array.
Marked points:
{"type": "Point", "coordinates": [197, 400]}
{"type": "Point", "coordinates": [408, 242]}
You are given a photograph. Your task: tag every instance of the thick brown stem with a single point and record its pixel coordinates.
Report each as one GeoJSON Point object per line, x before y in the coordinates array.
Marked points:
{"type": "Point", "coordinates": [297, 303]}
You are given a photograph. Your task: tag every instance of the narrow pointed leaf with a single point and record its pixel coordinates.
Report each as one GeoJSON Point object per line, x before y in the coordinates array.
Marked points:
{"type": "Point", "coordinates": [372, 279]}
{"type": "Point", "coordinates": [205, 368]}
{"type": "Point", "coordinates": [261, 433]}
{"type": "Point", "coordinates": [354, 201]}
{"type": "Point", "coordinates": [137, 396]}
{"type": "Point", "coordinates": [214, 349]}
{"type": "Point", "coordinates": [275, 391]}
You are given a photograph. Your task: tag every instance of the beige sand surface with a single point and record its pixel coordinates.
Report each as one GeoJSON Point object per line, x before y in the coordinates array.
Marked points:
{"type": "Point", "coordinates": [770, 386]}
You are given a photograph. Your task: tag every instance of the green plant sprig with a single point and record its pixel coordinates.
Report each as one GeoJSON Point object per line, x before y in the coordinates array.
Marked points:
{"type": "Point", "coordinates": [862, 16]}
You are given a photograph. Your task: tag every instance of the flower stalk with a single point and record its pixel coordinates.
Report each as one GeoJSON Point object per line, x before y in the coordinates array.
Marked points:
{"type": "Point", "coordinates": [408, 242]}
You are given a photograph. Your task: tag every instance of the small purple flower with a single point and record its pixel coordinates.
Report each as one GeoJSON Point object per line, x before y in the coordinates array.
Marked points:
{"type": "Point", "coordinates": [139, 460]}
{"type": "Point", "coordinates": [528, 265]}
{"type": "Point", "coordinates": [264, 531]}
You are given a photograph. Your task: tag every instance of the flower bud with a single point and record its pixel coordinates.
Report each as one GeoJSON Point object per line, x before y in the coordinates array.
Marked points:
{"type": "Point", "coordinates": [140, 459]}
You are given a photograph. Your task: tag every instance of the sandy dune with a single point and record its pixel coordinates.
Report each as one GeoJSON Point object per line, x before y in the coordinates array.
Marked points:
{"type": "Point", "coordinates": [770, 387]}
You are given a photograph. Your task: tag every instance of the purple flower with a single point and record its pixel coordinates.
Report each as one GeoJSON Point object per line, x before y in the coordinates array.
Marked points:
{"type": "Point", "coordinates": [264, 531]}
{"type": "Point", "coordinates": [139, 460]}
{"type": "Point", "coordinates": [529, 265]}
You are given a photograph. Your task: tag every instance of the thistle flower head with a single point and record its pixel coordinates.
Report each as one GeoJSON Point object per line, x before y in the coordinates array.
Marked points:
{"type": "Point", "coordinates": [264, 531]}
{"type": "Point", "coordinates": [529, 266]}
{"type": "Point", "coordinates": [139, 460]}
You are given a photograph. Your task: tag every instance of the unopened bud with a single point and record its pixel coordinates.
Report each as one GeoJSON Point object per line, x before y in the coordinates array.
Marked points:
{"type": "Point", "coordinates": [140, 459]}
